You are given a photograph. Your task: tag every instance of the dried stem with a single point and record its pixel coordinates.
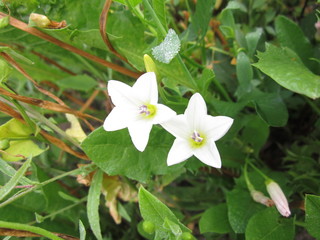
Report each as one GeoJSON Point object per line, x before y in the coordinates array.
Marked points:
{"type": "Point", "coordinates": [103, 23]}
{"type": "Point", "coordinates": [24, 27]}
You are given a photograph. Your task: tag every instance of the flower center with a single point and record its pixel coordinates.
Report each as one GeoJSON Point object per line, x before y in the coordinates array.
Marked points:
{"type": "Point", "coordinates": [196, 139]}
{"type": "Point", "coordinates": [147, 110]}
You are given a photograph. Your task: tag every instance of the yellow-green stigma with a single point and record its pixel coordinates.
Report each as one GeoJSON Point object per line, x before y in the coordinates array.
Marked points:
{"type": "Point", "coordinates": [148, 110]}
{"type": "Point", "coordinates": [196, 139]}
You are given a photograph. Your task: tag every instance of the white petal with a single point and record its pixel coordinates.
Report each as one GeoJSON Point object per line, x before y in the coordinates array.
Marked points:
{"type": "Point", "coordinates": [118, 118]}
{"type": "Point", "coordinates": [163, 114]}
{"type": "Point", "coordinates": [146, 88]}
{"type": "Point", "coordinates": [178, 127]}
{"type": "Point", "coordinates": [209, 154]}
{"type": "Point", "coordinates": [139, 132]}
{"type": "Point", "coordinates": [179, 152]}
{"type": "Point", "coordinates": [121, 94]}
{"type": "Point", "coordinates": [216, 127]}
{"type": "Point", "coordinates": [195, 111]}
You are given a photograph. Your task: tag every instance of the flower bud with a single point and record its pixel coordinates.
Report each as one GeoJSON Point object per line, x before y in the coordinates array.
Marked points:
{"type": "Point", "coordinates": [4, 144]}
{"type": "Point", "coordinates": [149, 64]}
{"type": "Point", "coordinates": [279, 198]}
{"type": "Point", "coordinates": [261, 198]}
{"type": "Point", "coordinates": [39, 20]}
{"type": "Point", "coordinates": [317, 26]}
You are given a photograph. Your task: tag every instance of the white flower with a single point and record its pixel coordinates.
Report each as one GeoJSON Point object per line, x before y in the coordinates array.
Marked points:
{"type": "Point", "coordinates": [196, 133]}
{"type": "Point", "coordinates": [136, 108]}
{"type": "Point", "coordinates": [279, 198]}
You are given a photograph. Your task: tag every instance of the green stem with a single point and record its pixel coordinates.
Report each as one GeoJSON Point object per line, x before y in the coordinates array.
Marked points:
{"type": "Point", "coordinates": [26, 191]}
{"type": "Point", "coordinates": [222, 90]}
{"type": "Point", "coordinates": [258, 171]}
{"type": "Point", "coordinates": [25, 227]}
{"type": "Point", "coordinates": [300, 224]}
{"type": "Point", "coordinates": [155, 18]}
{"type": "Point", "coordinates": [245, 174]}
{"type": "Point", "coordinates": [88, 65]}
{"type": "Point", "coordinates": [61, 210]}
{"type": "Point", "coordinates": [163, 32]}
{"type": "Point", "coordinates": [185, 69]}
{"type": "Point", "coordinates": [138, 13]}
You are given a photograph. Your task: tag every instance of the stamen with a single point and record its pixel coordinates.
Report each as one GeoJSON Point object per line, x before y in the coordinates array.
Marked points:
{"type": "Point", "coordinates": [196, 137]}
{"type": "Point", "coordinates": [144, 110]}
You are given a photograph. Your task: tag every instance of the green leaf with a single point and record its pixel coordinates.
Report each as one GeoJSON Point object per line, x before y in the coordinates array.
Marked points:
{"type": "Point", "coordinates": [127, 36]}
{"type": "Point", "coordinates": [4, 22]}
{"type": "Point", "coordinates": [204, 81]}
{"type": "Point", "coordinates": [244, 74]}
{"type": "Point", "coordinates": [252, 40]}
{"type": "Point", "coordinates": [236, 6]}
{"type": "Point", "coordinates": [215, 219]}
{"type": "Point", "coordinates": [285, 67]}
{"type": "Point", "coordinates": [133, 3]}
{"type": "Point", "coordinates": [228, 24]}
{"type": "Point", "coordinates": [93, 204]}
{"type": "Point", "coordinates": [290, 35]}
{"type": "Point", "coordinates": [200, 19]}
{"type": "Point", "coordinates": [111, 151]}
{"type": "Point", "coordinates": [271, 108]}
{"type": "Point", "coordinates": [14, 129]}
{"type": "Point", "coordinates": [82, 230]}
{"type": "Point", "coordinates": [159, 7]}
{"type": "Point", "coordinates": [10, 171]}
{"type": "Point", "coordinates": [255, 133]}
{"type": "Point", "coordinates": [80, 82]}
{"type": "Point", "coordinates": [5, 71]}
{"type": "Point", "coordinates": [268, 225]}
{"type": "Point", "coordinates": [155, 211]}
{"type": "Point", "coordinates": [312, 215]}
{"type": "Point", "coordinates": [6, 189]}
{"type": "Point", "coordinates": [172, 227]}
{"type": "Point", "coordinates": [241, 208]}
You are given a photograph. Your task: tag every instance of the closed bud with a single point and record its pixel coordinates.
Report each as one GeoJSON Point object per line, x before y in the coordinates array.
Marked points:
{"type": "Point", "coordinates": [39, 20]}
{"type": "Point", "coordinates": [261, 198]}
{"type": "Point", "coordinates": [279, 198]}
{"type": "Point", "coordinates": [149, 64]}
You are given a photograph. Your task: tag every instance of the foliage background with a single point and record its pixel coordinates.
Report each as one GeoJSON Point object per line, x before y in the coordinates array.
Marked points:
{"type": "Point", "coordinates": [254, 61]}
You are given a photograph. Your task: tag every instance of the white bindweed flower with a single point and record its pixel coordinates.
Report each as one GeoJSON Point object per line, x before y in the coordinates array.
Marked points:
{"type": "Point", "coordinates": [278, 197]}
{"type": "Point", "coordinates": [196, 133]}
{"type": "Point", "coordinates": [136, 108]}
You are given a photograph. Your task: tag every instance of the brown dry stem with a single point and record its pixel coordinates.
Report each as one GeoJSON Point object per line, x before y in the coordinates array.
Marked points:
{"type": "Point", "coordinates": [33, 31]}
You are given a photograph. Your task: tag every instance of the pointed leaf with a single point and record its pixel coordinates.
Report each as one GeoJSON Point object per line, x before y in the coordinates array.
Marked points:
{"type": "Point", "coordinates": [155, 211]}
{"type": "Point", "coordinates": [312, 215]}
{"type": "Point", "coordinates": [93, 204]}
{"type": "Point", "coordinates": [285, 67]}
{"type": "Point", "coordinates": [5, 190]}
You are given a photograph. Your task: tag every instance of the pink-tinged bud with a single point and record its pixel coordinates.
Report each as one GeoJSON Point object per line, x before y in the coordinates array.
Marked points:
{"type": "Point", "coordinates": [279, 198]}
{"type": "Point", "coordinates": [317, 35]}
{"type": "Point", "coordinates": [261, 198]}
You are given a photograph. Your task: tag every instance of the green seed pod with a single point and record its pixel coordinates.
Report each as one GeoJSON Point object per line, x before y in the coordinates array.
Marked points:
{"type": "Point", "coordinates": [4, 144]}
{"type": "Point", "coordinates": [148, 227]}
